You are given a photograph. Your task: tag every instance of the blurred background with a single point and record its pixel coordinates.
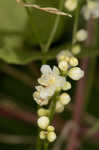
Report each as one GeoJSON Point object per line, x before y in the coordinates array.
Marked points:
{"type": "Point", "coordinates": [20, 61]}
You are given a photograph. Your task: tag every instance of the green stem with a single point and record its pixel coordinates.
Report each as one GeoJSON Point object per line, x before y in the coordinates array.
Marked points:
{"type": "Point", "coordinates": [39, 144]}
{"type": "Point", "coordinates": [45, 145]}
{"type": "Point", "coordinates": [76, 21]}
{"type": "Point", "coordinates": [52, 108]}
{"type": "Point", "coordinates": [56, 23]}
{"type": "Point", "coordinates": [52, 112]}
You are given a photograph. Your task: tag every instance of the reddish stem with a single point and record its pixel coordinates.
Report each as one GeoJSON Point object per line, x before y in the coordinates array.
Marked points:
{"type": "Point", "coordinates": [74, 142]}
{"type": "Point", "coordinates": [78, 109]}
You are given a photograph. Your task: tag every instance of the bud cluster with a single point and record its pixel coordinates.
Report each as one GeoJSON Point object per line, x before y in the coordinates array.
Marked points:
{"type": "Point", "coordinates": [47, 131]}
{"type": "Point", "coordinates": [54, 81]}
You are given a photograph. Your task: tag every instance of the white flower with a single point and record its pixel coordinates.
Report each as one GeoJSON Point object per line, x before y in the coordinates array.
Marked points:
{"type": "Point", "coordinates": [43, 122]}
{"type": "Point", "coordinates": [50, 128]}
{"type": "Point", "coordinates": [45, 69]}
{"type": "Point", "coordinates": [91, 9]}
{"type": "Point", "coordinates": [64, 55]}
{"type": "Point", "coordinates": [66, 86]}
{"type": "Point", "coordinates": [73, 61]}
{"type": "Point", "coordinates": [59, 107]}
{"type": "Point", "coordinates": [42, 135]}
{"type": "Point", "coordinates": [71, 4]}
{"type": "Point", "coordinates": [51, 136]}
{"type": "Point", "coordinates": [51, 79]}
{"type": "Point", "coordinates": [75, 73]}
{"type": "Point", "coordinates": [39, 100]}
{"type": "Point", "coordinates": [64, 98]}
{"type": "Point", "coordinates": [76, 49]}
{"type": "Point", "coordinates": [63, 65]}
{"type": "Point", "coordinates": [81, 35]}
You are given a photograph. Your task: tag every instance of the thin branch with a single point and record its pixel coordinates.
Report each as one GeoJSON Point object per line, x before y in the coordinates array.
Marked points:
{"type": "Point", "coordinates": [74, 139]}
{"type": "Point", "coordinates": [16, 139]}
{"type": "Point", "coordinates": [16, 74]}
{"type": "Point", "coordinates": [47, 9]}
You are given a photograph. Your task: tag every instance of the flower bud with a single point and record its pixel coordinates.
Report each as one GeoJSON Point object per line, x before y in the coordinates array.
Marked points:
{"type": "Point", "coordinates": [63, 55]}
{"type": "Point", "coordinates": [64, 98]}
{"type": "Point", "coordinates": [43, 122]}
{"type": "Point", "coordinates": [75, 73]}
{"type": "Point", "coordinates": [71, 4]}
{"type": "Point", "coordinates": [59, 107]}
{"type": "Point", "coordinates": [50, 128]}
{"type": "Point", "coordinates": [81, 35]}
{"type": "Point", "coordinates": [42, 135]}
{"type": "Point", "coordinates": [66, 86]}
{"type": "Point", "coordinates": [73, 61]}
{"type": "Point", "coordinates": [51, 136]}
{"type": "Point", "coordinates": [63, 65]}
{"type": "Point", "coordinates": [43, 112]}
{"type": "Point", "coordinates": [76, 49]}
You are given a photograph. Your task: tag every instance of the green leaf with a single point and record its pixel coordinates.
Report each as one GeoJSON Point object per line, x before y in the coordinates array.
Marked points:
{"type": "Point", "coordinates": [42, 23]}
{"type": "Point", "coordinates": [12, 15]}
{"type": "Point", "coordinates": [14, 55]}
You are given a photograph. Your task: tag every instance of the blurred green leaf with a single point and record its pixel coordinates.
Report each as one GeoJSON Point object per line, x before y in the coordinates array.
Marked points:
{"type": "Point", "coordinates": [42, 22]}
{"type": "Point", "coordinates": [12, 15]}
{"type": "Point", "coordinates": [23, 56]}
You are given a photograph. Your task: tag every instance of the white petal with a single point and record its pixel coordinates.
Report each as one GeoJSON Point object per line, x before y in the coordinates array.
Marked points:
{"type": "Point", "coordinates": [45, 69]}
{"type": "Point", "coordinates": [56, 70]}
{"type": "Point", "coordinates": [43, 80]}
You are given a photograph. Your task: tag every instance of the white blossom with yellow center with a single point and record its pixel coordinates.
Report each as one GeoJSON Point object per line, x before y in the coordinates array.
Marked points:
{"type": "Point", "coordinates": [42, 95]}
{"type": "Point", "coordinates": [51, 79]}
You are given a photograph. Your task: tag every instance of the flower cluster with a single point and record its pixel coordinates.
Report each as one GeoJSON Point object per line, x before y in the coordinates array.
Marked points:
{"type": "Point", "coordinates": [54, 81]}
{"type": "Point", "coordinates": [50, 82]}
{"type": "Point", "coordinates": [91, 9]}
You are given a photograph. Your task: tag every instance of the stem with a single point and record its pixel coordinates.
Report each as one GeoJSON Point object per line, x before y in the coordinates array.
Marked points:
{"type": "Point", "coordinates": [79, 104]}
{"type": "Point", "coordinates": [39, 144]}
{"type": "Point", "coordinates": [76, 21]}
{"type": "Point", "coordinates": [52, 108]}
{"type": "Point", "coordinates": [56, 23]}
{"type": "Point", "coordinates": [52, 112]}
{"type": "Point", "coordinates": [45, 145]}
{"type": "Point", "coordinates": [90, 81]}
{"type": "Point", "coordinates": [23, 77]}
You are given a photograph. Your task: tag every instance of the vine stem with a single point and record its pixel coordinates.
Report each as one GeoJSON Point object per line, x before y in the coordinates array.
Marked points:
{"type": "Point", "coordinates": [76, 20]}
{"type": "Point", "coordinates": [79, 99]}
{"type": "Point", "coordinates": [52, 113]}
{"type": "Point", "coordinates": [54, 29]}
